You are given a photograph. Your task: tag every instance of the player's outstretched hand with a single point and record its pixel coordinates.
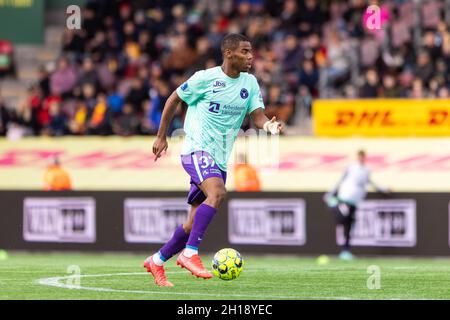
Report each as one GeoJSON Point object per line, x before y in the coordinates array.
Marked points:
{"type": "Point", "coordinates": [273, 126]}
{"type": "Point", "coordinates": [159, 146]}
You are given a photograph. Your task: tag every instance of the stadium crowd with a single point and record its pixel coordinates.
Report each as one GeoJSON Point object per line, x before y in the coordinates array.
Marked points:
{"type": "Point", "coordinates": [116, 73]}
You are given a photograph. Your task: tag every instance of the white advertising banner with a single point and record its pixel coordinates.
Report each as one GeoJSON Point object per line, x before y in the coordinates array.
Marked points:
{"type": "Point", "coordinates": [153, 220]}
{"type": "Point", "coordinates": [59, 220]}
{"type": "Point", "coordinates": [383, 223]}
{"type": "Point", "coordinates": [268, 221]}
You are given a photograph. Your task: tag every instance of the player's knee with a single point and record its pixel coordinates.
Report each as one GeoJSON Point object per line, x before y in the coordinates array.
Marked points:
{"type": "Point", "coordinates": [217, 196]}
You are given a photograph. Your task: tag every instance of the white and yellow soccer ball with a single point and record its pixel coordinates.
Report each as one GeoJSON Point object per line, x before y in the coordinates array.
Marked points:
{"type": "Point", "coordinates": [227, 264]}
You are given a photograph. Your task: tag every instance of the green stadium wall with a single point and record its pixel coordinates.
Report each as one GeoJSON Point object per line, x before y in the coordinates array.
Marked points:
{"type": "Point", "coordinates": [22, 21]}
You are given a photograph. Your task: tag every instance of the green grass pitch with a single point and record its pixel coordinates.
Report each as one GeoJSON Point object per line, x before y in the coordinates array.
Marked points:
{"type": "Point", "coordinates": [121, 276]}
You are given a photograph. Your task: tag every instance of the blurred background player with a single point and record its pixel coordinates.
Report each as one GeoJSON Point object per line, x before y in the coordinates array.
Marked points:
{"type": "Point", "coordinates": [218, 100]}
{"type": "Point", "coordinates": [343, 200]}
{"type": "Point", "coordinates": [245, 176]}
{"type": "Point", "coordinates": [56, 178]}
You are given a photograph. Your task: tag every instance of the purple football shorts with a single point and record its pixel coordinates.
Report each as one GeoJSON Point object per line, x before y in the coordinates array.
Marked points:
{"type": "Point", "coordinates": [200, 166]}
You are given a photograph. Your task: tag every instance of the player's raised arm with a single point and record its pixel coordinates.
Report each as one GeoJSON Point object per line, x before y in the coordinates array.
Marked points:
{"type": "Point", "coordinates": [262, 122]}
{"type": "Point", "coordinates": [160, 143]}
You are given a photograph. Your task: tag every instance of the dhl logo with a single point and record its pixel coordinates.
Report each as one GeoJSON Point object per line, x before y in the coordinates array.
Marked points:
{"type": "Point", "coordinates": [377, 118]}
{"type": "Point", "coordinates": [439, 117]}
{"type": "Point", "coordinates": [384, 117]}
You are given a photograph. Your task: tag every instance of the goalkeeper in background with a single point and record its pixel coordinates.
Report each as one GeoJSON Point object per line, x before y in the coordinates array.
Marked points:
{"type": "Point", "coordinates": [343, 200]}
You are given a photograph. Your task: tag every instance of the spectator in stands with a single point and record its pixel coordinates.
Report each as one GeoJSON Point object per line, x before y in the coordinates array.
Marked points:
{"type": "Point", "coordinates": [444, 93]}
{"type": "Point", "coordinates": [431, 46]}
{"type": "Point", "coordinates": [441, 72]}
{"type": "Point", "coordinates": [44, 81]}
{"type": "Point", "coordinates": [108, 72]}
{"type": "Point", "coordinates": [57, 125]}
{"type": "Point", "coordinates": [291, 60]}
{"type": "Point", "coordinates": [204, 53]}
{"type": "Point", "coordinates": [353, 16]}
{"type": "Point", "coordinates": [89, 95]}
{"type": "Point", "coordinates": [64, 79]}
{"type": "Point", "coordinates": [289, 16]}
{"type": "Point", "coordinates": [5, 117]}
{"type": "Point", "coordinates": [159, 95]}
{"type": "Point", "coordinates": [314, 49]}
{"type": "Point", "coordinates": [137, 95]}
{"type": "Point", "coordinates": [43, 114]}
{"type": "Point", "coordinates": [309, 75]}
{"type": "Point", "coordinates": [311, 17]}
{"type": "Point", "coordinates": [115, 102]}
{"type": "Point", "coordinates": [147, 45]}
{"type": "Point", "coordinates": [25, 119]}
{"type": "Point", "coordinates": [303, 102]}
{"type": "Point", "coordinates": [148, 126]}
{"type": "Point", "coordinates": [424, 66]}
{"type": "Point", "coordinates": [127, 124]}
{"type": "Point", "coordinates": [56, 178]}
{"type": "Point", "coordinates": [433, 87]}
{"type": "Point", "coordinates": [181, 55]}
{"type": "Point", "coordinates": [88, 73]}
{"type": "Point", "coordinates": [279, 103]}
{"type": "Point", "coordinates": [417, 91]}
{"type": "Point", "coordinates": [90, 25]}
{"type": "Point", "coordinates": [99, 122]}
{"type": "Point", "coordinates": [293, 54]}
{"type": "Point", "coordinates": [78, 124]}
{"type": "Point", "coordinates": [338, 61]}
{"type": "Point", "coordinates": [74, 42]}
{"type": "Point", "coordinates": [390, 88]}
{"type": "Point", "coordinates": [370, 89]}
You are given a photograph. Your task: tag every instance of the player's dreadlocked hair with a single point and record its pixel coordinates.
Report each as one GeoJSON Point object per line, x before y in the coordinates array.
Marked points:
{"type": "Point", "coordinates": [231, 41]}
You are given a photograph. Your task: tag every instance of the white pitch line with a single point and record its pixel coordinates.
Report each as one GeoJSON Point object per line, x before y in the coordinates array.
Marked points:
{"type": "Point", "coordinates": [55, 282]}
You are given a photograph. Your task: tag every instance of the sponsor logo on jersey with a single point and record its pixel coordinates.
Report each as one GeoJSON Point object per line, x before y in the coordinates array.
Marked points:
{"type": "Point", "coordinates": [184, 86]}
{"type": "Point", "coordinates": [219, 84]}
{"type": "Point", "coordinates": [214, 107]}
{"type": "Point", "coordinates": [244, 93]}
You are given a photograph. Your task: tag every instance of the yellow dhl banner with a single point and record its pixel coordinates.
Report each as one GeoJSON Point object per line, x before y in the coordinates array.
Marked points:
{"type": "Point", "coordinates": [382, 117]}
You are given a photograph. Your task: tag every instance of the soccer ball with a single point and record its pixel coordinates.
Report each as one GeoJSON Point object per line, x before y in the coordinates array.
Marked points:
{"type": "Point", "coordinates": [227, 264]}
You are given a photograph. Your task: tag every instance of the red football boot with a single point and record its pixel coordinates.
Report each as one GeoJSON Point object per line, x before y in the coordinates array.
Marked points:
{"type": "Point", "coordinates": [157, 272]}
{"type": "Point", "coordinates": [194, 265]}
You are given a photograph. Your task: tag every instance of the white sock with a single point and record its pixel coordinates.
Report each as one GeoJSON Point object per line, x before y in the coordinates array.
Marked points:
{"type": "Point", "coordinates": [157, 259]}
{"type": "Point", "coordinates": [189, 252]}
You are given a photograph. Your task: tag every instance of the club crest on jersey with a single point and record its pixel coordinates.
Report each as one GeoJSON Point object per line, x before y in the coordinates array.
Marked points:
{"type": "Point", "coordinates": [184, 86]}
{"type": "Point", "coordinates": [244, 93]}
{"type": "Point", "coordinates": [219, 84]}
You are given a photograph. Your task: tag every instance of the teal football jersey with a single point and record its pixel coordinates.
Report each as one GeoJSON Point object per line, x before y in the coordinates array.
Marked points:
{"type": "Point", "coordinates": [217, 105]}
